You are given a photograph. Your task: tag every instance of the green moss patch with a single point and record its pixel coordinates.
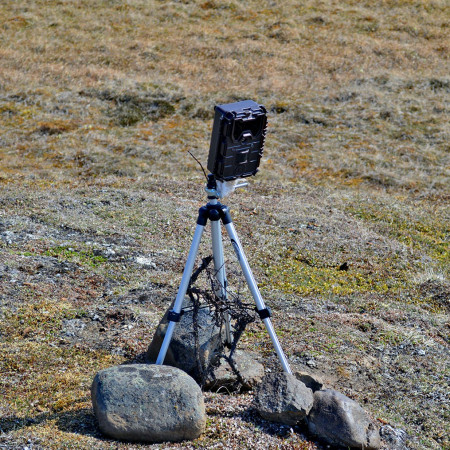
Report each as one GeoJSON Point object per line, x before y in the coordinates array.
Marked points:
{"type": "Point", "coordinates": [293, 275]}
{"type": "Point", "coordinates": [426, 234]}
{"type": "Point", "coordinates": [84, 257]}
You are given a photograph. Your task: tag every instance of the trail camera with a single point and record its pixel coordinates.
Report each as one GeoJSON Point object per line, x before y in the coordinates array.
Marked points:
{"type": "Point", "coordinates": [237, 140]}
{"type": "Point", "coordinates": [237, 143]}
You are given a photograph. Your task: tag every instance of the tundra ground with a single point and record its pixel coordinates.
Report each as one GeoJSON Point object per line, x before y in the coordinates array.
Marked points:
{"type": "Point", "coordinates": [346, 225]}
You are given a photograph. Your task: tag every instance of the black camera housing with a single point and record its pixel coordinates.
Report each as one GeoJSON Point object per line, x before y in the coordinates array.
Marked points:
{"type": "Point", "coordinates": [237, 140]}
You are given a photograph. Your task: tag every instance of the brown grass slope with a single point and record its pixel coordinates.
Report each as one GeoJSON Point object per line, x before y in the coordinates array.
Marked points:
{"type": "Point", "coordinates": [99, 102]}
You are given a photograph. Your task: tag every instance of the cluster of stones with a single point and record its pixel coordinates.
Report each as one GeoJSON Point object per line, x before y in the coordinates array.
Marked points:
{"type": "Point", "coordinates": [152, 403]}
{"type": "Point", "coordinates": [330, 415]}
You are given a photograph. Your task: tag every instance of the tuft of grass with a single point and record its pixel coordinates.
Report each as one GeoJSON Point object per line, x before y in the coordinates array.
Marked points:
{"type": "Point", "coordinates": [41, 318]}
{"type": "Point", "coordinates": [129, 108]}
{"type": "Point", "coordinates": [37, 389]}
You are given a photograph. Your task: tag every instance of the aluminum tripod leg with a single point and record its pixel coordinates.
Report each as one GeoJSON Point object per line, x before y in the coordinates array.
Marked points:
{"type": "Point", "coordinates": [219, 267]}
{"type": "Point", "coordinates": [256, 294]}
{"type": "Point", "coordinates": [181, 291]}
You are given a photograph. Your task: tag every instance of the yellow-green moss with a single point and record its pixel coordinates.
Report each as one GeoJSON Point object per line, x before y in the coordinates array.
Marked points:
{"type": "Point", "coordinates": [84, 257]}
{"type": "Point", "coordinates": [427, 235]}
{"type": "Point", "coordinates": [43, 318]}
{"type": "Point", "coordinates": [291, 275]}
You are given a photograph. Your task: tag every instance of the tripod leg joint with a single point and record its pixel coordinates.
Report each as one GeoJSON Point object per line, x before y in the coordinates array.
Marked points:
{"type": "Point", "coordinates": [203, 216]}
{"type": "Point", "coordinates": [213, 212]}
{"type": "Point", "coordinates": [173, 316]}
{"type": "Point", "coordinates": [264, 313]}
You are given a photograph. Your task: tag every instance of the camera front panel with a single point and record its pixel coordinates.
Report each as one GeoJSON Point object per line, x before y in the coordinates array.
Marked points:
{"type": "Point", "coordinates": [237, 140]}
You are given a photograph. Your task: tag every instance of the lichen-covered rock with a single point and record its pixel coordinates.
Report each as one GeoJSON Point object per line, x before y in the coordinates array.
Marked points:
{"type": "Point", "coordinates": [282, 398]}
{"type": "Point", "coordinates": [182, 350]}
{"type": "Point", "coordinates": [339, 420]}
{"type": "Point", "coordinates": [395, 438]}
{"type": "Point", "coordinates": [223, 376]}
{"type": "Point", "coordinates": [148, 403]}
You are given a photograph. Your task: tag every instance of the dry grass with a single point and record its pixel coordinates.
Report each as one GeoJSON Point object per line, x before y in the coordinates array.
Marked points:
{"type": "Point", "coordinates": [99, 101]}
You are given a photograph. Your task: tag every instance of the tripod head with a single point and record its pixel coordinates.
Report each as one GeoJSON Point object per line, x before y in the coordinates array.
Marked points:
{"type": "Point", "coordinates": [219, 189]}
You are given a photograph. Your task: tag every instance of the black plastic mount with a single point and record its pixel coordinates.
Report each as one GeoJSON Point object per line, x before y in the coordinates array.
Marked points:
{"type": "Point", "coordinates": [211, 187]}
{"type": "Point", "coordinates": [264, 313]}
{"type": "Point", "coordinates": [213, 213]}
{"type": "Point", "coordinates": [174, 316]}
{"type": "Point", "coordinates": [211, 183]}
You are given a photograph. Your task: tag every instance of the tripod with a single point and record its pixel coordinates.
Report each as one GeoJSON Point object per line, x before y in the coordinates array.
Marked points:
{"type": "Point", "coordinates": [216, 213]}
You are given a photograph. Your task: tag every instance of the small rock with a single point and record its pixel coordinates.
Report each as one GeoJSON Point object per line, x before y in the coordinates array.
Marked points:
{"type": "Point", "coordinates": [282, 398]}
{"type": "Point", "coordinates": [311, 363]}
{"type": "Point", "coordinates": [341, 421]}
{"type": "Point", "coordinates": [395, 438]}
{"type": "Point", "coordinates": [146, 262]}
{"type": "Point", "coordinates": [148, 403]}
{"type": "Point", "coordinates": [250, 370]}
{"type": "Point", "coordinates": [182, 349]}
{"type": "Point", "coordinates": [109, 252]}
{"type": "Point", "coordinates": [311, 381]}
{"type": "Point", "coordinates": [72, 327]}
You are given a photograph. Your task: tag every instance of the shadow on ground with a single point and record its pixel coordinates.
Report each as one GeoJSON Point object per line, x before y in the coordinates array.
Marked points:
{"type": "Point", "coordinates": [81, 421]}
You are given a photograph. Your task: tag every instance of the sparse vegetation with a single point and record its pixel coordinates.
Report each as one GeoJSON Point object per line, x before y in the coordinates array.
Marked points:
{"type": "Point", "coordinates": [346, 225]}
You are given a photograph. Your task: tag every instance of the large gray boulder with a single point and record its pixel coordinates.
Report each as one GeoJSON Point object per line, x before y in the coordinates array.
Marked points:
{"type": "Point", "coordinates": [182, 350]}
{"type": "Point", "coordinates": [148, 403]}
{"type": "Point", "coordinates": [339, 420]}
{"type": "Point", "coordinates": [223, 376]}
{"type": "Point", "coordinates": [282, 398]}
